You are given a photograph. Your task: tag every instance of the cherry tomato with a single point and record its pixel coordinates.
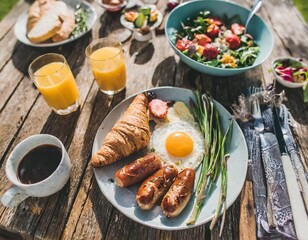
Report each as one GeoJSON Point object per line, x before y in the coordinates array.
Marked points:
{"type": "Point", "coordinates": [202, 39]}
{"type": "Point", "coordinates": [182, 44]}
{"type": "Point", "coordinates": [234, 41]}
{"type": "Point", "coordinates": [237, 29]}
{"type": "Point", "coordinates": [212, 30]}
{"type": "Point", "coordinates": [210, 51]}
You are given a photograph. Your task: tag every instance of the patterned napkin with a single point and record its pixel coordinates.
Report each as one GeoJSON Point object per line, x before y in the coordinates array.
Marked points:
{"type": "Point", "coordinates": [295, 172]}
{"type": "Point", "coordinates": [277, 188]}
{"type": "Point", "coordinates": [256, 175]}
{"type": "Point", "coordinates": [273, 211]}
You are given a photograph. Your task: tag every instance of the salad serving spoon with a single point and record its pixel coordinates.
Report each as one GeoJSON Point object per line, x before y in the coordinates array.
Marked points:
{"type": "Point", "coordinates": [254, 9]}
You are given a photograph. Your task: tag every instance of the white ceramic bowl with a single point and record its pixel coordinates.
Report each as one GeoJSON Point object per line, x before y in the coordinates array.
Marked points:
{"type": "Point", "coordinates": [281, 80]}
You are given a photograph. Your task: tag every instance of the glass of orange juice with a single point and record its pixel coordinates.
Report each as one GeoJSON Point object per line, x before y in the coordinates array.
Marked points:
{"type": "Point", "coordinates": [54, 79]}
{"type": "Point", "coordinates": [108, 64]}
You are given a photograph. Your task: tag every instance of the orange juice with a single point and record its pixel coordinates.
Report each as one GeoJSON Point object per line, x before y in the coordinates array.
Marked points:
{"type": "Point", "coordinates": [108, 67]}
{"type": "Point", "coordinates": [56, 83]}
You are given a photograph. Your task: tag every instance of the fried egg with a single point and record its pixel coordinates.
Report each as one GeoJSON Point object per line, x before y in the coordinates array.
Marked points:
{"type": "Point", "coordinates": [178, 141]}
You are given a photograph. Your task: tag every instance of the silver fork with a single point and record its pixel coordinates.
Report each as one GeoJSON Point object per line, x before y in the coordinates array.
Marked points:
{"type": "Point", "coordinates": [259, 127]}
{"type": "Point", "coordinates": [256, 113]}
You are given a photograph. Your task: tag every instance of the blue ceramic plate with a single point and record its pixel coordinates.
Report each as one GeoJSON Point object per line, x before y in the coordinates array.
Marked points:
{"type": "Point", "coordinates": [124, 198]}
{"type": "Point", "coordinates": [257, 28]}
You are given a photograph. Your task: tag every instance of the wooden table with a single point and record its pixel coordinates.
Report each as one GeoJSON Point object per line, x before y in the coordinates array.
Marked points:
{"type": "Point", "coordinates": [79, 210]}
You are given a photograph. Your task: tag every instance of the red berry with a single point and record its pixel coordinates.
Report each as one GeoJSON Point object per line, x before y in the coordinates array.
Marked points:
{"type": "Point", "coordinates": [158, 108]}
{"type": "Point", "coordinates": [212, 30]}
{"type": "Point", "coordinates": [210, 51]}
{"type": "Point", "coordinates": [233, 41]}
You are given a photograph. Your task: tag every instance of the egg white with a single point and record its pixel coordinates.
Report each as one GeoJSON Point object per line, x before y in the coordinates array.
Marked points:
{"type": "Point", "coordinates": [158, 143]}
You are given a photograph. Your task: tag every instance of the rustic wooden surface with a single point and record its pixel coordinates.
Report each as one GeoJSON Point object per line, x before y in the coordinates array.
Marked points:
{"type": "Point", "coordinates": [79, 210]}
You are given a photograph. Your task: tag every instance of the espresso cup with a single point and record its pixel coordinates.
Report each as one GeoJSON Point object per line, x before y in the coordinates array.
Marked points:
{"type": "Point", "coordinates": [46, 187]}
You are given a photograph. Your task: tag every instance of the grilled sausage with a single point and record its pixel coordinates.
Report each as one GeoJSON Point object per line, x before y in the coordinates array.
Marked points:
{"type": "Point", "coordinates": [138, 170]}
{"type": "Point", "coordinates": [155, 186]}
{"type": "Point", "coordinates": [179, 193]}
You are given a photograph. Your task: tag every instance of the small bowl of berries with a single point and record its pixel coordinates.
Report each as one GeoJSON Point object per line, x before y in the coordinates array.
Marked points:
{"type": "Point", "coordinates": [211, 38]}
{"type": "Point", "coordinates": [290, 72]}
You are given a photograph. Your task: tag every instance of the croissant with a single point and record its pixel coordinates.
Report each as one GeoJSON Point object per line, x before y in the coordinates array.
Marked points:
{"type": "Point", "coordinates": [130, 134]}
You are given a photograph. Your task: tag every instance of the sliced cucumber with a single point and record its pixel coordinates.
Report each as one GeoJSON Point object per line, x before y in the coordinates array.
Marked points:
{"type": "Point", "coordinates": [139, 20]}
{"type": "Point", "coordinates": [145, 11]}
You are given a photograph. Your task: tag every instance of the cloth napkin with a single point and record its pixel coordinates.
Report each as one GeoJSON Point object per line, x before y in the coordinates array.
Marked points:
{"type": "Point", "coordinates": [270, 192]}
{"type": "Point", "coordinates": [256, 175]}
{"type": "Point", "coordinates": [278, 192]}
{"type": "Point", "coordinates": [295, 173]}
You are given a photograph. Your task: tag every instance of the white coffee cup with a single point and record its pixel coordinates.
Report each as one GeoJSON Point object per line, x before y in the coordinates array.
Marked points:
{"type": "Point", "coordinates": [50, 185]}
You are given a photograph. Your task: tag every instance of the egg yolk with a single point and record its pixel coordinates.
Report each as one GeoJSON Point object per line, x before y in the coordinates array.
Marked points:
{"type": "Point", "coordinates": [179, 144]}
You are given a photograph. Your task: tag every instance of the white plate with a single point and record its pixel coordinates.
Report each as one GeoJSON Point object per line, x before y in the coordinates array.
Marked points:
{"type": "Point", "coordinates": [124, 198]}
{"type": "Point", "coordinates": [20, 28]}
{"type": "Point", "coordinates": [131, 26]}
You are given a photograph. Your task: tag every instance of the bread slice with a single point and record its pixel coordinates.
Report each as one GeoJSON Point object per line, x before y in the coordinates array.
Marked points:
{"type": "Point", "coordinates": [38, 9]}
{"type": "Point", "coordinates": [67, 18]}
{"type": "Point", "coordinates": [67, 27]}
{"type": "Point", "coordinates": [46, 28]}
{"type": "Point", "coordinates": [60, 8]}
{"type": "Point", "coordinates": [49, 19]}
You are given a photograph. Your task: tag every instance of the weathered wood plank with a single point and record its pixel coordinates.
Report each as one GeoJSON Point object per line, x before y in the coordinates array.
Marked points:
{"type": "Point", "coordinates": [8, 83]}
{"type": "Point", "coordinates": [15, 70]}
{"type": "Point", "coordinates": [247, 216]}
{"type": "Point", "coordinates": [19, 104]}
{"type": "Point", "coordinates": [8, 46]}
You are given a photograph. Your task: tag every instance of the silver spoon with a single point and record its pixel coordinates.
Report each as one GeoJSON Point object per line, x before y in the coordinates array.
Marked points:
{"type": "Point", "coordinates": [254, 9]}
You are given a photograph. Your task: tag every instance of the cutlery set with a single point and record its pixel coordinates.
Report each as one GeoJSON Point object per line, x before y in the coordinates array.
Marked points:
{"type": "Point", "coordinates": [278, 174]}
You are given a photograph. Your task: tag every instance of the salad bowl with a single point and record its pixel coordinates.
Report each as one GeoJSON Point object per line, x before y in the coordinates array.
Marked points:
{"type": "Point", "coordinates": [260, 32]}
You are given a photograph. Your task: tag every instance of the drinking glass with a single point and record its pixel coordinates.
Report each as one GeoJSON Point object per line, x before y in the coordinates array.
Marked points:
{"type": "Point", "coordinates": [107, 64]}
{"type": "Point", "coordinates": [54, 79]}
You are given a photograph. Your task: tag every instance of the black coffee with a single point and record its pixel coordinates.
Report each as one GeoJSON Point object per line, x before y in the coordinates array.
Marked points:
{"type": "Point", "coordinates": [39, 163]}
